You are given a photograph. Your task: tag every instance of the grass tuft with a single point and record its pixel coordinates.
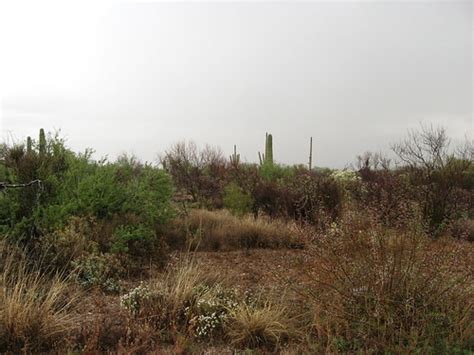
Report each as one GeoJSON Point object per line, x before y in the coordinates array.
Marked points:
{"type": "Point", "coordinates": [220, 230]}
{"type": "Point", "coordinates": [36, 309]}
{"type": "Point", "coordinates": [252, 326]}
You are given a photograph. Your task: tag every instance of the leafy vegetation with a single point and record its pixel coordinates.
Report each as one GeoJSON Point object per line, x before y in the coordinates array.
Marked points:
{"type": "Point", "coordinates": [120, 256]}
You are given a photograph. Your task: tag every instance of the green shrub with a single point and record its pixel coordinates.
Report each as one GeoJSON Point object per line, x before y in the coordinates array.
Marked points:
{"type": "Point", "coordinates": [101, 270]}
{"type": "Point", "coordinates": [135, 240]}
{"type": "Point", "coordinates": [236, 200]}
{"type": "Point", "coordinates": [119, 196]}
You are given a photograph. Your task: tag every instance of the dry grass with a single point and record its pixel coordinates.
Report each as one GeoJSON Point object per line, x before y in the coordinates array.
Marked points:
{"type": "Point", "coordinates": [220, 230]}
{"type": "Point", "coordinates": [190, 303]}
{"type": "Point", "coordinates": [380, 290]}
{"type": "Point", "coordinates": [252, 326]}
{"type": "Point", "coordinates": [36, 310]}
{"type": "Point", "coordinates": [165, 298]}
{"type": "Point", "coordinates": [180, 283]}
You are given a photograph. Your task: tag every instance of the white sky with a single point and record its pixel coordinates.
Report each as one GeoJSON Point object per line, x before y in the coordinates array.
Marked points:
{"type": "Point", "coordinates": [136, 77]}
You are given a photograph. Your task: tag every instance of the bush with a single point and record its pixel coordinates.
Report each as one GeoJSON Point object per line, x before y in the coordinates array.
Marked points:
{"type": "Point", "coordinates": [201, 173]}
{"type": "Point", "coordinates": [236, 200]}
{"type": "Point", "coordinates": [440, 176]}
{"type": "Point", "coordinates": [102, 271]}
{"type": "Point", "coordinates": [135, 240]}
{"type": "Point", "coordinates": [127, 201]}
{"type": "Point", "coordinates": [463, 229]}
{"type": "Point", "coordinates": [312, 198]}
{"type": "Point", "coordinates": [380, 290]}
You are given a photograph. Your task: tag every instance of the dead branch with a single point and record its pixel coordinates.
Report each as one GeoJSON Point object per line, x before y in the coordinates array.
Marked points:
{"type": "Point", "coordinates": [5, 185]}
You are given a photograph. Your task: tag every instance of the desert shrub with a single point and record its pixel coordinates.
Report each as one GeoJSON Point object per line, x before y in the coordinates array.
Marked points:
{"type": "Point", "coordinates": [275, 172]}
{"type": "Point", "coordinates": [62, 246]}
{"type": "Point", "coordinates": [37, 310]}
{"type": "Point", "coordinates": [200, 173]}
{"type": "Point", "coordinates": [440, 176]}
{"type": "Point", "coordinates": [377, 290]}
{"type": "Point", "coordinates": [312, 197]}
{"type": "Point", "coordinates": [211, 310]}
{"type": "Point", "coordinates": [136, 299]}
{"type": "Point", "coordinates": [220, 230]}
{"type": "Point", "coordinates": [463, 229]}
{"type": "Point", "coordinates": [387, 194]}
{"type": "Point", "coordinates": [266, 196]}
{"type": "Point", "coordinates": [236, 200]}
{"type": "Point", "coordinates": [345, 177]}
{"type": "Point", "coordinates": [22, 167]}
{"type": "Point", "coordinates": [136, 240]}
{"type": "Point", "coordinates": [127, 200]}
{"type": "Point", "coordinates": [99, 270]}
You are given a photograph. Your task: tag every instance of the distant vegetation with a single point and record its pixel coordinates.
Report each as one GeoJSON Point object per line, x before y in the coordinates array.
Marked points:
{"type": "Point", "coordinates": [384, 251]}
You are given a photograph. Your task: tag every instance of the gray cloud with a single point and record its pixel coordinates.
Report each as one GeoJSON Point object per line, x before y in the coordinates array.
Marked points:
{"type": "Point", "coordinates": [139, 76]}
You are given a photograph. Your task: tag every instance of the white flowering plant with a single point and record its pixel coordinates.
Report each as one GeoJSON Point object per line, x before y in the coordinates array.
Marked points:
{"type": "Point", "coordinates": [134, 300]}
{"type": "Point", "coordinates": [345, 176]}
{"type": "Point", "coordinates": [211, 309]}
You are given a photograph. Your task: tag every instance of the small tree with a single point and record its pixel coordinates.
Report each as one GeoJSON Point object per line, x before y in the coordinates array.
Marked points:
{"type": "Point", "coordinates": [437, 172]}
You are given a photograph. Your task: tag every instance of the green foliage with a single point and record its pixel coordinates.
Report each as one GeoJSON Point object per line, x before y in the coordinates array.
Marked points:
{"type": "Point", "coordinates": [275, 172]}
{"type": "Point", "coordinates": [116, 194]}
{"type": "Point", "coordinates": [101, 271]}
{"type": "Point", "coordinates": [236, 200]}
{"type": "Point", "coordinates": [133, 239]}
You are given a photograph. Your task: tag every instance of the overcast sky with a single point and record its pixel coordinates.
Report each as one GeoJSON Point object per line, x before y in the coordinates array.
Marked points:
{"type": "Point", "coordinates": [136, 77]}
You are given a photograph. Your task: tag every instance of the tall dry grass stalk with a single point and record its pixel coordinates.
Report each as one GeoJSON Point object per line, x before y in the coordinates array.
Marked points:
{"type": "Point", "coordinates": [36, 309]}
{"type": "Point", "coordinates": [180, 283]}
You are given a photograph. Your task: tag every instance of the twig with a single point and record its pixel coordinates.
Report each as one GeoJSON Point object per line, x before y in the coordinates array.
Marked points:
{"type": "Point", "coordinates": [5, 185]}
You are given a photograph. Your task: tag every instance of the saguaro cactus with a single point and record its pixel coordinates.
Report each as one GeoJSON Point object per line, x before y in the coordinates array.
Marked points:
{"type": "Point", "coordinates": [235, 158]}
{"type": "Point", "coordinates": [42, 142]}
{"type": "Point", "coordinates": [29, 145]}
{"type": "Point", "coordinates": [269, 149]}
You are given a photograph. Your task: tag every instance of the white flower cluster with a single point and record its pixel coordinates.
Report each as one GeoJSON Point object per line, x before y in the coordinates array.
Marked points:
{"type": "Point", "coordinates": [211, 310]}
{"type": "Point", "coordinates": [344, 176]}
{"type": "Point", "coordinates": [207, 324]}
{"type": "Point", "coordinates": [134, 298]}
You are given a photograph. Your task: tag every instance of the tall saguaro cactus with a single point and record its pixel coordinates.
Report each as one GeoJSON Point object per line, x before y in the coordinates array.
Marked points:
{"type": "Point", "coordinates": [267, 158]}
{"type": "Point", "coordinates": [29, 145]}
{"type": "Point", "coordinates": [235, 158]}
{"type": "Point", "coordinates": [42, 142]}
{"type": "Point", "coordinates": [269, 149]}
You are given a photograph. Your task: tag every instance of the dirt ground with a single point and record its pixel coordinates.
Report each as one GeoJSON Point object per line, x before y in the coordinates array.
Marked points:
{"type": "Point", "coordinates": [104, 321]}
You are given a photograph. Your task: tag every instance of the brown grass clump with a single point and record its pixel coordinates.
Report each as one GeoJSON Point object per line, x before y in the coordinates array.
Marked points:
{"type": "Point", "coordinates": [220, 230]}
{"type": "Point", "coordinates": [190, 303]}
{"type": "Point", "coordinates": [166, 302]}
{"type": "Point", "coordinates": [381, 290]}
{"type": "Point", "coordinates": [251, 326]}
{"type": "Point", "coordinates": [36, 310]}
{"type": "Point", "coordinates": [180, 284]}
